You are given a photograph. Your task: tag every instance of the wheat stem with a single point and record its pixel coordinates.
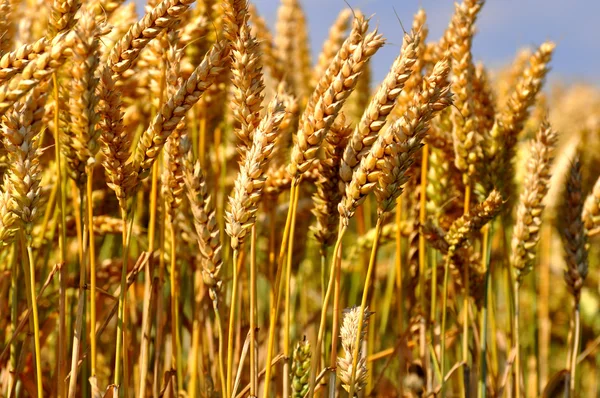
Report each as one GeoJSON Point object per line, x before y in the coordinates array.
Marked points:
{"type": "Point", "coordinates": [277, 287]}
{"type": "Point", "coordinates": [363, 304]}
{"type": "Point", "coordinates": [575, 352]}
{"type": "Point", "coordinates": [288, 279]}
{"type": "Point", "coordinates": [422, 256]}
{"type": "Point", "coordinates": [14, 314]}
{"type": "Point", "coordinates": [398, 264]}
{"type": "Point", "coordinates": [444, 315]}
{"type": "Point", "coordinates": [119, 351]}
{"type": "Point", "coordinates": [78, 335]}
{"type": "Point", "coordinates": [253, 312]}
{"type": "Point", "coordinates": [62, 239]}
{"type": "Point", "coordinates": [176, 330]}
{"type": "Point", "coordinates": [516, 343]}
{"type": "Point", "coordinates": [487, 248]}
{"type": "Point", "coordinates": [335, 325]}
{"type": "Point", "coordinates": [231, 329]}
{"type": "Point", "coordinates": [323, 321]}
{"type": "Point", "coordinates": [92, 259]}
{"type": "Point", "coordinates": [29, 270]}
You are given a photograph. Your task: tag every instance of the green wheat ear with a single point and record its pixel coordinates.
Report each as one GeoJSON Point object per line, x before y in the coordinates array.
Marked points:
{"type": "Point", "coordinates": [301, 369]}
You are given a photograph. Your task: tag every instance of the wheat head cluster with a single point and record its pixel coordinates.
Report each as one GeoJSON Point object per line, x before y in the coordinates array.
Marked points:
{"type": "Point", "coordinates": [191, 207]}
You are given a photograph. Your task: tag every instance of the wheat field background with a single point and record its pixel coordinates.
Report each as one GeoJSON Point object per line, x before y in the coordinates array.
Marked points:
{"type": "Point", "coordinates": [228, 199]}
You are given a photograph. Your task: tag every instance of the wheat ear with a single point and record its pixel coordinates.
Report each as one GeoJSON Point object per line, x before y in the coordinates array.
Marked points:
{"type": "Point", "coordinates": [314, 127]}
{"type": "Point", "coordinates": [171, 113]}
{"type": "Point", "coordinates": [249, 184]}
{"type": "Point", "coordinates": [531, 201]}
{"type": "Point", "coordinates": [375, 115]}
{"type": "Point", "coordinates": [128, 48]}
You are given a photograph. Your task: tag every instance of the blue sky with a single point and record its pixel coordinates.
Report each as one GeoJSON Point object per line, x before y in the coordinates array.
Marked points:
{"type": "Point", "coordinates": [504, 26]}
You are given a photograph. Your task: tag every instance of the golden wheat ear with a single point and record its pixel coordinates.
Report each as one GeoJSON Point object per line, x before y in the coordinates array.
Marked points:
{"type": "Point", "coordinates": [249, 184]}
{"type": "Point", "coordinates": [531, 201]}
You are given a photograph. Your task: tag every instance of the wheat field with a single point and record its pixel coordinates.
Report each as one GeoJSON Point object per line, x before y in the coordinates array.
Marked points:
{"type": "Point", "coordinates": [191, 206]}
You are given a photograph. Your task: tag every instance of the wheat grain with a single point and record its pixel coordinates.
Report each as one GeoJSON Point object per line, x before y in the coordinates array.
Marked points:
{"type": "Point", "coordinates": [62, 16]}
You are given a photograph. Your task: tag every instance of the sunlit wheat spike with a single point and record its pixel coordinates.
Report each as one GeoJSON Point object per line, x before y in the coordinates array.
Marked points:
{"type": "Point", "coordinates": [205, 223]}
{"type": "Point", "coordinates": [171, 113]}
{"type": "Point", "coordinates": [481, 214]}
{"type": "Point", "coordinates": [81, 135]}
{"type": "Point", "coordinates": [526, 232]}
{"type": "Point", "coordinates": [128, 48]}
{"type": "Point", "coordinates": [382, 103]}
{"type": "Point", "coordinates": [21, 139]}
{"type": "Point", "coordinates": [314, 127]}
{"type": "Point", "coordinates": [403, 138]}
{"type": "Point", "coordinates": [115, 141]}
{"type": "Point", "coordinates": [248, 84]}
{"type": "Point", "coordinates": [249, 184]}
{"type": "Point", "coordinates": [36, 71]}
{"type": "Point", "coordinates": [328, 193]}
{"type": "Point", "coordinates": [466, 138]}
